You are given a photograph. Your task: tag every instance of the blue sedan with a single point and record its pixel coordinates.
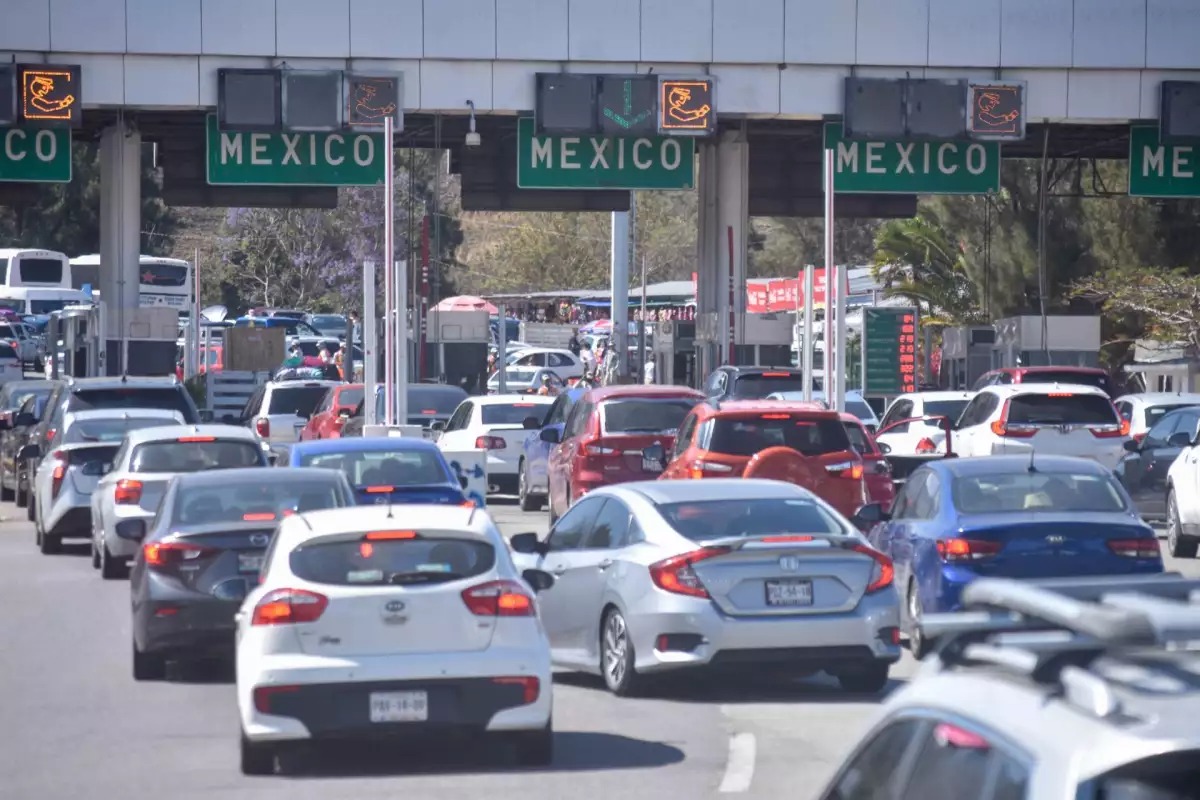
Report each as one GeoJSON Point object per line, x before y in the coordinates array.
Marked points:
{"type": "Point", "coordinates": [1005, 516]}
{"type": "Point", "coordinates": [533, 481]}
{"type": "Point", "coordinates": [385, 469]}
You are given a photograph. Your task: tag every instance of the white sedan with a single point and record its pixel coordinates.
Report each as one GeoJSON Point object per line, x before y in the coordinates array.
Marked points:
{"type": "Point", "coordinates": [363, 629]}
{"type": "Point", "coordinates": [497, 424]}
{"type": "Point", "coordinates": [928, 438]}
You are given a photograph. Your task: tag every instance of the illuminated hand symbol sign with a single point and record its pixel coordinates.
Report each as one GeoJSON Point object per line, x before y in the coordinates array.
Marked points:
{"type": "Point", "coordinates": [677, 101]}
{"type": "Point", "coordinates": [364, 97]}
{"type": "Point", "coordinates": [40, 87]}
{"type": "Point", "coordinates": [987, 103]}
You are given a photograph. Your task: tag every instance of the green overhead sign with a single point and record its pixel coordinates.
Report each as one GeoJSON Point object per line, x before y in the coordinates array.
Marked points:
{"type": "Point", "coordinates": [293, 159]}
{"type": "Point", "coordinates": [912, 167]}
{"type": "Point", "coordinates": [35, 155]}
{"type": "Point", "coordinates": [603, 162]}
{"type": "Point", "coordinates": [1161, 170]}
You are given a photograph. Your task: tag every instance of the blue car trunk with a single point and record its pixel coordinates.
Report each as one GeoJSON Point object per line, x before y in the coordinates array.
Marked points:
{"type": "Point", "coordinates": [430, 494]}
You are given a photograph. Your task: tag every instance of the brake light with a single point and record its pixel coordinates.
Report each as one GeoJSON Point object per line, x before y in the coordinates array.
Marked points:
{"type": "Point", "coordinates": [263, 517]}
{"type": "Point", "coordinates": [1135, 548]}
{"type": "Point", "coordinates": [790, 537]}
{"type": "Point", "coordinates": [926, 445]}
{"type": "Point", "coordinates": [60, 471]}
{"type": "Point", "coordinates": [883, 573]}
{"type": "Point", "coordinates": [165, 555]}
{"type": "Point", "coordinates": [490, 443]}
{"type": "Point", "coordinates": [698, 468]}
{"type": "Point", "coordinates": [127, 492]}
{"type": "Point", "coordinates": [1001, 427]}
{"type": "Point", "coordinates": [184, 439]}
{"type": "Point", "coordinates": [1111, 431]}
{"type": "Point", "coordinates": [380, 489]}
{"type": "Point", "coordinates": [429, 412]}
{"type": "Point", "coordinates": [777, 375]}
{"type": "Point", "coordinates": [288, 607]}
{"type": "Point", "coordinates": [498, 599]}
{"type": "Point", "coordinates": [530, 685]}
{"type": "Point", "coordinates": [262, 426]}
{"type": "Point", "coordinates": [846, 469]}
{"type": "Point", "coordinates": [955, 550]}
{"type": "Point", "coordinates": [388, 536]}
{"type": "Point", "coordinates": [952, 736]}
{"type": "Point", "coordinates": [1060, 394]}
{"type": "Point", "coordinates": [263, 695]}
{"type": "Point", "coordinates": [676, 574]}
{"type": "Point", "coordinates": [50, 434]}
{"type": "Point", "coordinates": [774, 416]}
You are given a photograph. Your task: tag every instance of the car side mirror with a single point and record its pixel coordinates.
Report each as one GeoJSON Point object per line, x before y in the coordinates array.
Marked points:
{"type": "Point", "coordinates": [539, 580]}
{"type": "Point", "coordinates": [207, 415]}
{"type": "Point", "coordinates": [884, 447]}
{"type": "Point", "coordinates": [869, 516]}
{"type": "Point", "coordinates": [531, 423]}
{"type": "Point", "coordinates": [1179, 440]}
{"type": "Point", "coordinates": [1133, 445]}
{"type": "Point", "coordinates": [462, 481]}
{"type": "Point", "coordinates": [438, 426]}
{"type": "Point", "coordinates": [550, 436]}
{"type": "Point", "coordinates": [133, 530]}
{"type": "Point", "coordinates": [29, 451]}
{"type": "Point", "coordinates": [24, 420]}
{"type": "Point", "coordinates": [527, 543]}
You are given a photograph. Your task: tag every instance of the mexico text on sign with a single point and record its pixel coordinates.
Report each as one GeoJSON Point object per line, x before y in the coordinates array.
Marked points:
{"type": "Point", "coordinates": [35, 155]}
{"type": "Point", "coordinates": [899, 167]}
{"type": "Point", "coordinates": [1161, 170]}
{"type": "Point", "coordinates": [602, 162]}
{"type": "Point", "coordinates": [293, 159]}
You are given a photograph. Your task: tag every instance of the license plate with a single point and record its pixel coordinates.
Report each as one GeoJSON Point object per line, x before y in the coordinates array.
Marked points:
{"type": "Point", "coordinates": [789, 593]}
{"type": "Point", "coordinates": [250, 562]}
{"type": "Point", "coordinates": [651, 465]}
{"type": "Point", "coordinates": [399, 706]}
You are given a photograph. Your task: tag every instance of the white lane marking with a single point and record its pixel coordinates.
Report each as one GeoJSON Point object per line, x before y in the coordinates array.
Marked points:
{"type": "Point", "coordinates": [739, 769]}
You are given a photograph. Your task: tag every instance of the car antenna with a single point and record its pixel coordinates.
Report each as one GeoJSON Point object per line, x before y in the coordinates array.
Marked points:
{"type": "Point", "coordinates": [1032, 468]}
{"type": "Point", "coordinates": [389, 514]}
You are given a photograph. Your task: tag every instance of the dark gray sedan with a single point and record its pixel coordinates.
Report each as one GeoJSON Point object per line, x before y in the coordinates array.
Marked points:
{"type": "Point", "coordinates": [203, 551]}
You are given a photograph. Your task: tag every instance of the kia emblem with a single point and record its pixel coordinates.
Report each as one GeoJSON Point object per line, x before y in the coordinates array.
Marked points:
{"type": "Point", "coordinates": [394, 606]}
{"type": "Point", "coordinates": [260, 540]}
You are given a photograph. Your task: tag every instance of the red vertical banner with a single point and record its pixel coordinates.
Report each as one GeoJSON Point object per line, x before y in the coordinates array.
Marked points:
{"type": "Point", "coordinates": [732, 359]}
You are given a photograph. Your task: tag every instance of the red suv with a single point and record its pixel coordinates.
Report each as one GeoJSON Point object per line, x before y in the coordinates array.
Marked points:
{"type": "Point", "coordinates": [1082, 376]}
{"type": "Point", "coordinates": [604, 435]}
{"type": "Point", "coordinates": [876, 469]}
{"type": "Point", "coordinates": [331, 414]}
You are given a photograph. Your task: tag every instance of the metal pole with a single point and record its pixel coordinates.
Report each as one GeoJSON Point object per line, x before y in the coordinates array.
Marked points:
{"type": "Point", "coordinates": [502, 348]}
{"type": "Point", "coordinates": [831, 391]}
{"type": "Point", "coordinates": [370, 345]}
{"type": "Point", "coordinates": [808, 344]}
{"type": "Point", "coordinates": [402, 322]}
{"type": "Point", "coordinates": [619, 332]}
{"type": "Point", "coordinates": [389, 277]}
{"type": "Point", "coordinates": [642, 326]}
{"type": "Point", "coordinates": [191, 345]}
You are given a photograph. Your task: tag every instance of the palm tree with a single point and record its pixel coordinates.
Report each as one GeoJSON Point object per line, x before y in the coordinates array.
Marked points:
{"type": "Point", "coordinates": [916, 259]}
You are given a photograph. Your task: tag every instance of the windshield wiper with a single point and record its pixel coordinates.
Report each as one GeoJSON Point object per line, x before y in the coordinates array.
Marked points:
{"type": "Point", "coordinates": [397, 578]}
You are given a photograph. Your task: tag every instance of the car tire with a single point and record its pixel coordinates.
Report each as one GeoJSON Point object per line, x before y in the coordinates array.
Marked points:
{"type": "Point", "coordinates": [30, 507]}
{"type": "Point", "coordinates": [535, 748]}
{"type": "Point", "coordinates": [111, 567]}
{"type": "Point", "coordinates": [6, 495]}
{"type": "Point", "coordinates": [95, 555]}
{"type": "Point", "coordinates": [22, 496]}
{"type": "Point", "coordinates": [868, 679]}
{"type": "Point", "coordinates": [527, 501]}
{"type": "Point", "coordinates": [148, 666]}
{"type": "Point", "coordinates": [617, 658]}
{"type": "Point", "coordinates": [257, 758]}
{"type": "Point", "coordinates": [1178, 545]}
{"type": "Point", "coordinates": [918, 644]}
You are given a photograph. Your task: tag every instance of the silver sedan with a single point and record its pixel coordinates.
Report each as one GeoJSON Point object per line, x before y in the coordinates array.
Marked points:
{"type": "Point", "coordinates": [663, 575]}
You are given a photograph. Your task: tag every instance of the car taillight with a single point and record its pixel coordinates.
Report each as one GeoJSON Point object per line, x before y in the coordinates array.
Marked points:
{"type": "Point", "coordinates": [490, 443]}
{"type": "Point", "coordinates": [883, 573]}
{"type": "Point", "coordinates": [60, 471]}
{"type": "Point", "coordinates": [1110, 431]}
{"type": "Point", "coordinates": [846, 469]}
{"type": "Point", "coordinates": [531, 687]}
{"type": "Point", "coordinates": [1135, 548]}
{"type": "Point", "coordinates": [127, 492]}
{"type": "Point", "coordinates": [1002, 427]}
{"type": "Point", "coordinates": [288, 607]}
{"type": "Point", "coordinates": [967, 549]}
{"type": "Point", "coordinates": [262, 426]}
{"type": "Point", "coordinates": [263, 695]}
{"type": "Point", "coordinates": [599, 447]}
{"type": "Point", "coordinates": [698, 468]}
{"type": "Point", "coordinates": [498, 599]}
{"type": "Point", "coordinates": [926, 445]}
{"type": "Point", "coordinates": [676, 575]}
{"type": "Point", "coordinates": [168, 555]}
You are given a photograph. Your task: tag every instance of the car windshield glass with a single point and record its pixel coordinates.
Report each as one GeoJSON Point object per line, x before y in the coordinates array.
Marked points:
{"type": "Point", "coordinates": [745, 436]}
{"type": "Point", "coordinates": [1019, 492]}
{"type": "Point", "coordinates": [1172, 776]}
{"type": "Point", "coordinates": [1061, 408]}
{"type": "Point", "coordinates": [703, 520]}
{"type": "Point", "coordinates": [434, 401]}
{"type": "Point", "coordinates": [387, 468]}
{"type": "Point", "coordinates": [194, 456]}
{"type": "Point", "coordinates": [860, 409]}
{"type": "Point", "coordinates": [168, 398]}
{"type": "Point", "coordinates": [298, 400]}
{"type": "Point", "coordinates": [644, 415]}
{"type": "Point", "coordinates": [1155, 413]}
{"type": "Point", "coordinates": [328, 321]}
{"type": "Point", "coordinates": [349, 398]}
{"type": "Point", "coordinates": [19, 396]}
{"type": "Point", "coordinates": [109, 430]}
{"type": "Point", "coordinates": [759, 385]}
{"type": "Point", "coordinates": [950, 409]}
{"type": "Point", "coordinates": [859, 439]}
{"type": "Point", "coordinates": [266, 502]}
{"type": "Point", "coordinates": [431, 558]}
{"type": "Point", "coordinates": [514, 375]}
{"type": "Point", "coordinates": [1097, 379]}
{"type": "Point", "coordinates": [513, 413]}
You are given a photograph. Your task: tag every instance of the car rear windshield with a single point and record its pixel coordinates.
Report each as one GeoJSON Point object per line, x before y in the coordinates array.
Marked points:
{"type": "Point", "coordinates": [109, 430]}
{"type": "Point", "coordinates": [745, 436]}
{"type": "Point", "coordinates": [1172, 776]}
{"type": "Point", "coordinates": [861, 410]}
{"type": "Point", "coordinates": [266, 502]}
{"type": "Point", "coordinates": [1155, 413]}
{"type": "Point", "coordinates": [950, 409]}
{"type": "Point", "coordinates": [100, 454]}
{"type": "Point", "coordinates": [644, 415]}
{"type": "Point", "coordinates": [518, 375]}
{"type": "Point", "coordinates": [428, 401]}
{"type": "Point", "coordinates": [758, 385]}
{"type": "Point", "coordinates": [194, 456]}
{"type": "Point", "coordinates": [703, 520]}
{"type": "Point", "coordinates": [6, 351]}
{"type": "Point", "coordinates": [168, 398]}
{"type": "Point", "coordinates": [327, 321]}
{"type": "Point", "coordinates": [513, 413]}
{"type": "Point", "coordinates": [359, 560]}
{"type": "Point", "coordinates": [859, 439]}
{"type": "Point", "coordinates": [1097, 379]}
{"type": "Point", "coordinates": [1061, 408]}
{"type": "Point", "coordinates": [1020, 492]}
{"type": "Point", "coordinates": [408, 468]}
{"type": "Point", "coordinates": [298, 400]}
{"type": "Point", "coordinates": [350, 398]}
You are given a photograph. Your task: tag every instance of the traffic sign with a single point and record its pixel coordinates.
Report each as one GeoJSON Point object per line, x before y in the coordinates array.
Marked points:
{"type": "Point", "coordinates": [686, 106]}
{"type": "Point", "coordinates": [293, 159]}
{"type": "Point", "coordinates": [996, 111]}
{"type": "Point", "coordinates": [889, 350]}
{"type": "Point", "coordinates": [371, 99]}
{"type": "Point", "coordinates": [35, 155]}
{"type": "Point", "coordinates": [911, 167]}
{"type": "Point", "coordinates": [602, 162]}
{"type": "Point", "coordinates": [627, 105]}
{"type": "Point", "coordinates": [51, 95]}
{"type": "Point", "coordinates": [1161, 170]}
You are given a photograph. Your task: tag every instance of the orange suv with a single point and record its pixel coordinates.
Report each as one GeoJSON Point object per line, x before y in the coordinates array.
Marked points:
{"type": "Point", "coordinates": [800, 443]}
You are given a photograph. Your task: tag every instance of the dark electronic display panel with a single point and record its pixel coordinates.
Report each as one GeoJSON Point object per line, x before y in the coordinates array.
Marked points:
{"type": "Point", "coordinates": [874, 108]}
{"type": "Point", "coordinates": [566, 103]}
{"type": "Point", "coordinates": [628, 105]}
{"type": "Point", "coordinates": [1180, 112]}
{"type": "Point", "coordinates": [312, 101]}
{"type": "Point", "coordinates": [937, 109]}
{"type": "Point", "coordinates": [8, 95]}
{"type": "Point", "coordinates": [996, 111]}
{"type": "Point", "coordinates": [372, 99]}
{"type": "Point", "coordinates": [249, 99]}
{"type": "Point", "coordinates": [50, 95]}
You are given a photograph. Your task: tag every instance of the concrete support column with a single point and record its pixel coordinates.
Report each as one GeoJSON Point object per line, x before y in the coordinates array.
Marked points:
{"type": "Point", "coordinates": [120, 233]}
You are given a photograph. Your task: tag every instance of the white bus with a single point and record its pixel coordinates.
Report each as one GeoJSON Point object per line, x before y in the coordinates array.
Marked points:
{"type": "Point", "coordinates": [34, 302]}
{"type": "Point", "coordinates": [161, 281]}
{"type": "Point", "coordinates": [29, 268]}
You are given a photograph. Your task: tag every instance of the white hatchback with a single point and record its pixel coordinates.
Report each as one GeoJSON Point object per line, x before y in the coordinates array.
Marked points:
{"type": "Point", "coordinates": [370, 626]}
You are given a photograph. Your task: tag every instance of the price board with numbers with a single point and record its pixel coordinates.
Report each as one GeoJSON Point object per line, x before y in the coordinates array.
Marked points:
{"type": "Point", "coordinates": [889, 350]}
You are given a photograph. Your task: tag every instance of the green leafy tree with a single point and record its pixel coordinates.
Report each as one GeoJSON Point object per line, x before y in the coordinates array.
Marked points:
{"type": "Point", "coordinates": [918, 260]}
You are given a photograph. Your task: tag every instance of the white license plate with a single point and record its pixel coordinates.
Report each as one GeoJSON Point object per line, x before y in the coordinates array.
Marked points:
{"type": "Point", "coordinates": [250, 562]}
{"type": "Point", "coordinates": [651, 465]}
{"type": "Point", "coordinates": [789, 593]}
{"type": "Point", "coordinates": [399, 706]}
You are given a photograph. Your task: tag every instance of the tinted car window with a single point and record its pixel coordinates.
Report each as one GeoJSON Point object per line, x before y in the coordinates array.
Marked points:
{"type": "Point", "coordinates": [610, 527]}
{"type": "Point", "coordinates": [702, 520]}
{"type": "Point", "coordinates": [410, 468]}
{"type": "Point", "coordinates": [1061, 408]}
{"type": "Point", "coordinates": [568, 531]}
{"type": "Point", "coordinates": [195, 456]}
{"type": "Point", "coordinates": [434, 400]}
{"type": "Point", "coordinates": [298, 400]}
{"type": "Point", "coordinates": [1155, 413]}
{"type": "Point", "coordinates": [266, 502]}
{"type": "Point", "coordinates": [860, 410]}
{"type": "Point", "coordinates": [951, 409]}
{"type": "Point", "coordinates": [349, 397]}
{"type": "Point", "coordinates": [756, 386]}
{"type": "Point", "coordinates": [872, 774]}
{"type": "Point", "coordinates": [1173, 776]}
{"type": "Point", "coordinates": [951, 765]}
{"type": "Point", "coordinates": [643, 415]}
{"type": "Point", "coordinates": [745, 436]}
{"type": "Point", "coordinates": [859, 440]}
{"type": "Point", "coordinates": [107, 430]}
{"type": "Point", "coordinates": [513, 413]}
{"type": "Point", "coordinates": [1097, 379]}
{"type": "Point", "coordinates": [1020, 492]}
{"type": "Point", "coordinates": [6, 351]}
{"type": "Point", "coordinates": [169, 398]}
{"type": "Point", "coordinates": [428, 559]}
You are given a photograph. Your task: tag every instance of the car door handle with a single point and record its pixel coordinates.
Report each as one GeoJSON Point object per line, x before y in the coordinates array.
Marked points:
{"type": "Point", "coordinates": [605, 564]}
{"type": "Point", "coordinates": [559, 570]}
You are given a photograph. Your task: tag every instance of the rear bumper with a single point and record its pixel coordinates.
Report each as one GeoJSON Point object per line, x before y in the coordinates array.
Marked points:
{"type": "Point", "coordinates": [68, 518]}
{"type": "Point", "coordinates": [190, 623]}
{"type": "Point", "coordinates": [953, 579]}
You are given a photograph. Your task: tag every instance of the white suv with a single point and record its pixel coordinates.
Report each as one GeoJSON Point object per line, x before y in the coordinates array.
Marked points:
{"type": "Point", "coordinates": [1053, 419]}
{"type": "Point", "coordinates": [1183, 502]}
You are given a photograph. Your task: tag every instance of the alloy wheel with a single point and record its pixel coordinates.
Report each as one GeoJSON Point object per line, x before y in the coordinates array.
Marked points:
{"type": "Point", "coordinates": [616, 645]}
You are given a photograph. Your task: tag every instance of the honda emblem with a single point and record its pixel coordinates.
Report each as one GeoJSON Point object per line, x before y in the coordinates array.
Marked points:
{"type": "Point", "coordinates": [789, 563]}
{"type": "Point", "coordinates": [1065, 428]}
